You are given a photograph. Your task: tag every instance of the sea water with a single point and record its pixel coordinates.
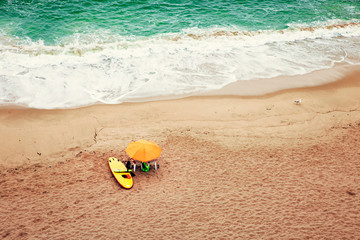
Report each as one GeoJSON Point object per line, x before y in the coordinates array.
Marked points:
{"type": "Point", "coordinates": [72, 53]}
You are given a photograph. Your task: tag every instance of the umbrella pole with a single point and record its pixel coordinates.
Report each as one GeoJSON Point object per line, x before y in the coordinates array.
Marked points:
{"type": "Point", "coordinates": [155, 166]}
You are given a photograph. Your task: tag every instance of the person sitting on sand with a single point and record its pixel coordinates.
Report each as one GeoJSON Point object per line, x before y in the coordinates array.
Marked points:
{"type": "Point", "coordinates": [145, 166]}
{"type": "Point", "coordinates": [128, 165]}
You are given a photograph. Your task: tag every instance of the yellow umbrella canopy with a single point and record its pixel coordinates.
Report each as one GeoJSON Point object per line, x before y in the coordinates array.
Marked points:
{"type": "Point", "coordinates": [143, 150]}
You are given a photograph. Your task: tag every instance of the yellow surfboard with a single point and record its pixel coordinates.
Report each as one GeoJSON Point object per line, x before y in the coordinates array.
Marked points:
{"type": "Point", "coordinates": [121, 173]}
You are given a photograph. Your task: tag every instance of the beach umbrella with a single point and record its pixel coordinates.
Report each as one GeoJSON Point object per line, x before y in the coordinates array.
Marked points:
{"type": "Point", "coordinates": [143, 150]}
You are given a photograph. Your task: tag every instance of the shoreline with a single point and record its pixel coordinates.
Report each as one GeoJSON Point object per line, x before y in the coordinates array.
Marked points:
{"type": "Point", "coordinates": [26, 132]}
{"type": "Point", "coordinates": [256, 88]}
{"type": "Point", "coordinates": [259, 88]}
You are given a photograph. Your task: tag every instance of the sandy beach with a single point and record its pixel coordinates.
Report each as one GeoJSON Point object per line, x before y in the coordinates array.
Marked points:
{"type": "Point", "coordinates": [232, 167]}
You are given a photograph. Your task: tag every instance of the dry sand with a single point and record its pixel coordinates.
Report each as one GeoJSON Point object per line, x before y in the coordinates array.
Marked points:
{"type": "Point", "coordinates": [231, 168]}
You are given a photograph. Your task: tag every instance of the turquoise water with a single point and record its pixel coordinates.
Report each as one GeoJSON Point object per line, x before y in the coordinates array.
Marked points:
{"type": "Point", "coordinates": [65, 54]}
{"type": "Point", "coordinates": [52, 21]}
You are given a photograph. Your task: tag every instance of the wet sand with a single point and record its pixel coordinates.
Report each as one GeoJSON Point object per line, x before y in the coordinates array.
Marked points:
{"type": "Point", "coordinates": [231, 168]}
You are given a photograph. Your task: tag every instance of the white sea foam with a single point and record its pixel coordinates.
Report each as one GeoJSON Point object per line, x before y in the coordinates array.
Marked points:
{"type": "Point", "coordinates": [102, 68]}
